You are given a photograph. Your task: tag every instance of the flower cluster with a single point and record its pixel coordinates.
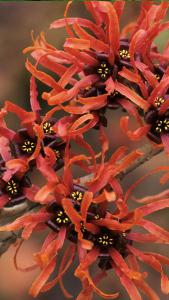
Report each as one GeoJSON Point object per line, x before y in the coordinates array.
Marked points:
{"type": "Point", "coordinates": [100, 68]}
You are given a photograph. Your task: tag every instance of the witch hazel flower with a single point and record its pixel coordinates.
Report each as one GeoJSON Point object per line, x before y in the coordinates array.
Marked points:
{"type": "Point", "coordinates": [155, 117]}
{"type": "Point", "coordinates": [98, 235]}
{"type": "Point", "coordinates": [35, 133]}
{"type": "Point", "coordinates": [99, 58]}
{"type": "Point", "coordinates": [78, 216]}
{"type": "Point", "coordinates": [15, 187]}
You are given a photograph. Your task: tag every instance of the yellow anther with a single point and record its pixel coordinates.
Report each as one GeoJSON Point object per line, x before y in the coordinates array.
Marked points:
{"type": "Point", "coordinates": [105, 240]}
{"type": "Point", "coordinates": [159, 101]}
{"type": "Point", "coordinates": [47, 128]}
{"type": "Point", "coordinates": [61, 218]}
{"type": "Point", "coordinates": [77, 195]}
{"type": "Point", "coordinates": [11, 187]}
{"type": "Point", "coordinates": [158, 76]}
{"type": "Point", "coordinates": [162, 126]}
{"type": "Point", "coordinates": [28, 146]}
{"type": "Point", "coordinates": [103, 70]}
{"type": "Point", "coordinates": [124, 53]}
{"type": "Point", "coordinates": [97, 217]}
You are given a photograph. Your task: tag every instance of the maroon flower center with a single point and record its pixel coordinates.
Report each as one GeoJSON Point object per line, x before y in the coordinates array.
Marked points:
{"type": "Point", "coordinates": [57, 153]}
{"type": "Point", "coordinates": [105, 240]}
{"type": "Point", "coordinates": [162, 126]}
{"type": "Point", "coordinates": [28, 146]}
{"type": "Point", "coordinates": [61, 218]}
{"type": "Point", "coordinates": [124, 54]}
{"type": "Point", "coordinates": [47, 128]}
{"type": "Point", "coordinates": [12, 188]}
{"type": "Point", "coordinates": [159, 101]}
{"type": "Point", "coordinates": [77, 195]}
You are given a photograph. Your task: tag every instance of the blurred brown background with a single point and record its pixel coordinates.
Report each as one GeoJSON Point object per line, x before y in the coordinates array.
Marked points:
{"type": "Point", "coordinates": [17, 19]}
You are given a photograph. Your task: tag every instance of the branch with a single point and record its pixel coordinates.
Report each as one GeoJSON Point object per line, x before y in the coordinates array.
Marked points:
{"type": "Point", "coordinates": [148, 152]}
{"type": "Point", "coordinates": [8, 214]}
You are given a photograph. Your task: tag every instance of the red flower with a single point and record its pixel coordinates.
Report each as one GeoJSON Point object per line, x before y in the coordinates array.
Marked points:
{"type": "Point", "coordinates": [157, 115]}
{"type": "Point", "coordinates": [103, 59]}
{"type": "Point", "coordinates": [106, 237]}
{"type": "Point", "coordinates": [75, 213]}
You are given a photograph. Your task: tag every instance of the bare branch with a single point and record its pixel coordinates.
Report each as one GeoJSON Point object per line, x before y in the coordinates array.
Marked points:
{"type": "Point", "coordinates": [148, 152]}
{"type": "Point", "coordinates": [7, 215]}
{"type": "Point", "coordinates": [7, 239]}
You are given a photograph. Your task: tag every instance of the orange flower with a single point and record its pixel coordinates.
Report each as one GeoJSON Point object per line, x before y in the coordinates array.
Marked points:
{"type": "Point", "coordinates": [107, 61]}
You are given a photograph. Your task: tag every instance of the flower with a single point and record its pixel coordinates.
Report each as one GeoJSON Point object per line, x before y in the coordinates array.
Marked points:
{"type": "Point", "coordinates": [14, 191]}
{"type": "Point", "coordinates": [27, 141]}
{"type": "Point", "coordinates": [107, 62]}
{"type": "Point", "coordinates": [156, 117]}
{"type": "Point", "coordinates": [75, 213]}
{"type": "Point", "coordinates": [15, 184]}
{"type": "Point", "coordinates": [107, 238]}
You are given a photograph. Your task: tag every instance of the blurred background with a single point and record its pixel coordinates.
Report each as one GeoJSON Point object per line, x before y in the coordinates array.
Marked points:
{"type": "Point", "coordinates": [17, 20]}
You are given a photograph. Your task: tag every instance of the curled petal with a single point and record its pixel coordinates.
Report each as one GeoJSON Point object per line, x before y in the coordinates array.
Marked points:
{"type": "Point", "coordinates": [153, 261]}
{"type": "Point", "coordinates": [42, 278]}
{"type": "Point", "coordinates": [26, 220]}
{"type": "Point", "coordinates": [73, 215]}
{"type": "Point", "coordinates": [145, 176]}
{"type": "Point", "coordinates": [133, 135]}
{"type": "Point", "coordinates": [94, 43]}
{"type": "Point", "coordinates": [26, 117]}
{"type": "Point", "coordinates": [17, 165]}
{"type": "Point", "coordinates": [119, 261]}
{"type": "Point", "coordinates": [152, 207]}
{"type": "Point", "coordinates": [7, 134]}
{"type": "Point", "coordinates": [66, 77]}
{"type": "Point", "coordinates": [46, 170]}
{"type": "Point", "coordinates": [80, 44]}
{"type": "Point", "coordinates": [18, 268]}
{"type": "Point", "coordinates": [45, 78]}
{"type": "Point", "coordinates": [146, 289]}
{"type": "Point", "coordinates": [83, 273]}
{"type": "Point", "coordinates": [150, 199]}
{"type": "Point", "coordinates": [69, 255]}
{"type": "Point", "coordinates": [33, 95]}
{"type": "Point", "coordinates": [43, 194]}
{"type": "Point", "coordinates": [86, 202]}
{"type": "Point", "coordinates": [82, 22]}
{"type": "Point", "coordinates": [128, 285]}
{"type": "Point", "coordinates": [45, 256]}
{"type": "Point", "coordinates": [5, 149]}
{"type": "Point", "coordinates": [154, 229]}
{"type": "Point", "coordinates": [130, 94]}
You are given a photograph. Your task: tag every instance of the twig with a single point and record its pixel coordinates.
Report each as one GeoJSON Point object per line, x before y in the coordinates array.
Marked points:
{"type": "Point", "coordinates": [148, 152]}
{"type": "Point", "coordinates": [8, 214]}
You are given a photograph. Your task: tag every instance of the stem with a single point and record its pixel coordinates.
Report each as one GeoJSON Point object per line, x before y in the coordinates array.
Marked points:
{"type": "Point", "coordinates": [10, 214]}
{"type": "Point", "coordinates": [149, 152]}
